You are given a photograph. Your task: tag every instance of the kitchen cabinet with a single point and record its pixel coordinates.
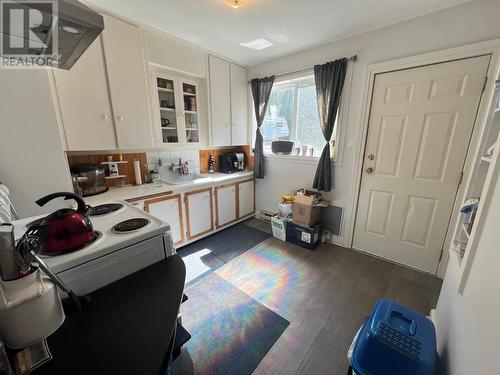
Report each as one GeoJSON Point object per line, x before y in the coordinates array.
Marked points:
{"type": "Point", "coordinates": [199, 212]}
{"type": "Point", "coordinates": [168, 209]}
{"type": "Point", "coordinates": [127, 84]}
{"type": "Point", "coordinates": [229, 102]}
{"type": "Point", "coordinates": [225, 203]}
{"type": "Point", "coordinates": [239, 105]}
{"type": "Point", "coordinates": [84, 102]}
{"type": "Point", "coordinates": [220, 101]}
{"type": "Point", "coordinates": [103, 99]}
{"type": "Point", "coordinates": [177, 113]}
{"type": "Point", "coordinates": [246, 198]}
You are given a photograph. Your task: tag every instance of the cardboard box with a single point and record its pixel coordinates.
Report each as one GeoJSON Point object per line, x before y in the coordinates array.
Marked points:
{"type": "Point", "coordinates": [279, 225]}
{"type": "Point", "coordinates": [305, 212]}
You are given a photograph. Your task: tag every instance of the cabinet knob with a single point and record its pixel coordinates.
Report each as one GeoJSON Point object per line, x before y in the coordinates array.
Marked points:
{"type": "Point", "coordinates": [105, 117]}
{"type": "Point", "coordinates": [120, 118]}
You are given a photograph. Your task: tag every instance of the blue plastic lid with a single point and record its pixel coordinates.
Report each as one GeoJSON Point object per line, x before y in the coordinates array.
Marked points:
{"type": "Point", "coordinates": [395, 340]}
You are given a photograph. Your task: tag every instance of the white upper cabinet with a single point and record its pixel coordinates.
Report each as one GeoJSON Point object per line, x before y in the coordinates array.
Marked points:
{"type": "Point", "coordinates": [239, 105]}
{"type": "Point", "coordinates": [228, 99]}
{"type": "Point", "coordinates": [220, 100]}
{"type": "Point", "coordinates": [127, 83]}
{"type": "Point", "coordinates": [84, 102]}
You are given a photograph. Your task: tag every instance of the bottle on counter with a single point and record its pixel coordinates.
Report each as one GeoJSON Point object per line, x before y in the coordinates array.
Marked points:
{"type": "Point", "coordinates": [211, 164]}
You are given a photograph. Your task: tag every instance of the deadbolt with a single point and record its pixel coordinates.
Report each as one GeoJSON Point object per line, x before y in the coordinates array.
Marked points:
{"type": "Point", "coordinates": [371, 157]}
{"type": "Point", "coordinates": [369, 170]}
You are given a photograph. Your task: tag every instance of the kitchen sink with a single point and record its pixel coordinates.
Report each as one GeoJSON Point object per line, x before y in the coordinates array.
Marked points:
{"type": "Point", "coordinates": [176, 179]}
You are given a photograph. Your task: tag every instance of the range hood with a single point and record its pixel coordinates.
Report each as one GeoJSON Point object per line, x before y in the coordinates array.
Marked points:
{"type": "Point", "coordinates": [77, 27]}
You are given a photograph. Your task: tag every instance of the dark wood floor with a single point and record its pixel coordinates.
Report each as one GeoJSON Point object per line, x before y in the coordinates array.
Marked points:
{"type": "Point", "coordinates": [326, 294]}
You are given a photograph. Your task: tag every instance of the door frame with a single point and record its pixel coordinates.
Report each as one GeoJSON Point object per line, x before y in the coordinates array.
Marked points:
{"type": "Point", "coordinates": [492, 48]}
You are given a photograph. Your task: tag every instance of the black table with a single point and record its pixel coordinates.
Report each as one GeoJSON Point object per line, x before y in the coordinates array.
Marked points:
{"type": "Point", "coordinates": [126, 329]}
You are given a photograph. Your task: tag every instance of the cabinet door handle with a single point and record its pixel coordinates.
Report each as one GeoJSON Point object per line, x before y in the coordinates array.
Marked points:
{"type": "Point", "coordinates": [105, 117]}
{"type": "Point", "coordinates": [120, 118]}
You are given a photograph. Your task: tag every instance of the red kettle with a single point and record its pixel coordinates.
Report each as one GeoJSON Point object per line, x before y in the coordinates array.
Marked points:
{"type": "Point", "coordinates": [68, 229]}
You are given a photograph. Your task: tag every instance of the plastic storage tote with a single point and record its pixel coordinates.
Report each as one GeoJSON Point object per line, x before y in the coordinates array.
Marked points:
{"type": "Point", "coordinates": [395, 340]}
{"type": "Point", "coordinates": [308, 238]}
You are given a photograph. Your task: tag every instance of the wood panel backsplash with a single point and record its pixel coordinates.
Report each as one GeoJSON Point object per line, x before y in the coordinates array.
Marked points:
{"type": "Point", "coordinates": [216, 152]}
{"type": "Point", "coordinates": [124, 169]}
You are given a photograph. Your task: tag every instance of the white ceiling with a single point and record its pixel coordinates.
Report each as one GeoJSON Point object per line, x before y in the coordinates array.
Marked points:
{"type": "Point", "coordinates": [292, 25]}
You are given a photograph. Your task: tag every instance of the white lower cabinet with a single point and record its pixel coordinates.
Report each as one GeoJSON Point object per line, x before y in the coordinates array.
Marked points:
{"type": "Point", "coordinates": [168, 209]}
{"type": "Point", "coordinates": [199, 212]}
{"type": "Point", "coordinates": [225, 202]}
{"type": "Point", "coordinates": [246, 198]}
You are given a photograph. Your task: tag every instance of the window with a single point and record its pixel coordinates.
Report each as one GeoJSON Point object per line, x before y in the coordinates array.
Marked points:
{"type": "Point", "coordinates": [292, 115]}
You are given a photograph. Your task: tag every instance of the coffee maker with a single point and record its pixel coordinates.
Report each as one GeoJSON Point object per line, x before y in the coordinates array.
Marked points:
{"type": "Point", "coordinates": [232, 162]}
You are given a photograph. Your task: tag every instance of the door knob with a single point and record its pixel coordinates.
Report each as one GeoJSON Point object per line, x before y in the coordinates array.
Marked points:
{"type": "Point", "coordinates": [369, 170]}
{"type": "Point", "coordinates": [371, 157]}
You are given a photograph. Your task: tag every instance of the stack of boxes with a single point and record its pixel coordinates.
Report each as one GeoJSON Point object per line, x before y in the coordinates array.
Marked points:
{"type": "Point", "coordinates": [304, 228]}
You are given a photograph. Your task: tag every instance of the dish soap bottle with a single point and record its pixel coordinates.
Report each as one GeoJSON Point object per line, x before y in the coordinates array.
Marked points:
{"type": "Point", "coordinates": [211, 164]}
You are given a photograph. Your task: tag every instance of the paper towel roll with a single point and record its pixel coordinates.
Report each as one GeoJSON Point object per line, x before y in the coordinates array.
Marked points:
{"type": "Point", "coordinates": [137, 172]}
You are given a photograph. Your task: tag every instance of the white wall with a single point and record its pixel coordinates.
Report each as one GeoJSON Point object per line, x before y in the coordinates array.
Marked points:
{"type": "Point", "coordinates": [32, 160]}
{"type": "Point", "coordinates": [467, 324]}
{"type": "Point", "coordinates": [468, 23]}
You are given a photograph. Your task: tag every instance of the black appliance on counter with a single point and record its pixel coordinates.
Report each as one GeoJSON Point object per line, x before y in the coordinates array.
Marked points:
{"type": "Point", "coordinates": [232, 162]}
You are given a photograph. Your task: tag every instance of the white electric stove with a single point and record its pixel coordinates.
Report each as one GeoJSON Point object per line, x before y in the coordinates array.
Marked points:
{"type": "Point", "coordinates": [128, 240]}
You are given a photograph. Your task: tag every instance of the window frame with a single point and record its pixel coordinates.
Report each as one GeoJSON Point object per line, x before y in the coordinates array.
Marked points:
{"type": "Point", "coordinates": [307, 79]}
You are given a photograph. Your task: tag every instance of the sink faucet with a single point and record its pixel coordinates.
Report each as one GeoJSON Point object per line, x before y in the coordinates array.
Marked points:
{"type": "Point", "coordinates": [183, 168]}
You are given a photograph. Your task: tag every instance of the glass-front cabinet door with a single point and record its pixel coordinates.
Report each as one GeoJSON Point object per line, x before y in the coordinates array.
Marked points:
{"type": "Point", "coordinates": [177, 110]}
{"type": "Point", "coordinates": [189, 93]}
{"type": "Point", "coordinates": [166, 89]}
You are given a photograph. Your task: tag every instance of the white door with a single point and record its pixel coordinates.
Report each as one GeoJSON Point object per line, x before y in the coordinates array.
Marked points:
{"type": "Point", "coordinates": [239, 104]}
{"type": "Point", "coordinates": [199, 212]}
{"type": "Point", "coordinates": [246, 198]}
{"type": "Point", "coordinates": [225, 198]}
{"type": "Point", "coordinates": [127, 84]}
{"type": "Point", "coordinates": [220, 101]}
{"type": "Point", "coordinates": [169, 210]}
{"type": "Point", "coordinates": [84, 102]}
{"type": "Point", "coordinates": [420, 125]}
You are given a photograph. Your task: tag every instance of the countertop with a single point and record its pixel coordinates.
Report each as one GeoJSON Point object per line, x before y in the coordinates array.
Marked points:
{"type": "Point", "coordinates": [131, 192]}
{"type": "Point", "coordinates": [126, 329]}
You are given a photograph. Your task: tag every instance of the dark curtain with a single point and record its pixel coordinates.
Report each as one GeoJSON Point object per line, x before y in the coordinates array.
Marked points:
{"type": "Point", "coordinates": [261, 92]}
{"type": "Point", "coordinates": [329, 79]}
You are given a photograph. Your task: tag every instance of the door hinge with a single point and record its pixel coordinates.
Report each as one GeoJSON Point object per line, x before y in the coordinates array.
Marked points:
{"type": "Point", "coordinates": [461, 178]}
{"type": "Point", "coordinates": [485, 83]}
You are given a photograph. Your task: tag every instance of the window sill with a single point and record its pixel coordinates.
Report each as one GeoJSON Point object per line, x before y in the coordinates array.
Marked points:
{"type": "Point", "coordinates": [296, 158]}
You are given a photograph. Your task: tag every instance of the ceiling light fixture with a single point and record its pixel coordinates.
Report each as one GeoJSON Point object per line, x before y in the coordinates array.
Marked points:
{"type": "Point", "coordinates": [257, 44]}
{"type": "Point", "coordinates": [235, 3]}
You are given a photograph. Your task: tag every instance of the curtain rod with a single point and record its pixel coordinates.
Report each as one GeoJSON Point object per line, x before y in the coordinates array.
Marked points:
{"type": "Point", "coordinates": [352, 58]}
